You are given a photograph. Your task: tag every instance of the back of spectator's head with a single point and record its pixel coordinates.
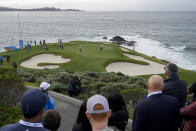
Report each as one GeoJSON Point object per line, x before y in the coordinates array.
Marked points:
{"type": "Point", "coordinates": [116, 103]}
{"type": "Point", "coordinates": [155, 83]}
{"type": "Point", "coordinates": [98, 108]}
{"type": "Point", "coordinates": [82, 113]}
{"type": "Point", "coordinates": [192, 88]}
{"type": "Point", "coordinates": [44, 86]}
{"type": "Point", "coordinates": [51, 120]}
{"type": "Point", "coordinates": [171, 69]}
{"type": "Point", "coordinates": [82, 118]}
{"type": "Point", "coordinates": [74, 79]}
{"type": "Point", "coordinates": [33, 103]}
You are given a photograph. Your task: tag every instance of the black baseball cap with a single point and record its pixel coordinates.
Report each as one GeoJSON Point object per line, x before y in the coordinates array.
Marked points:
{"type": "Point", "coordinates": [33, 102]}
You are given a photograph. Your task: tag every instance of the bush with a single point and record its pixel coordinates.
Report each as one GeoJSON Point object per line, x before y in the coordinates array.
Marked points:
{"type": "Point", "coordinates": [135, 95]}
{"type": "Point", "coordinates": [92, 82]}
{"type": "Point", "coordinates": [9, 115]}
{"type": "Point", "coordinates": [58, 87]}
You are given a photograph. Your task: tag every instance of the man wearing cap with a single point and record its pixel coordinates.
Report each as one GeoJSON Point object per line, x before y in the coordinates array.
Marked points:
{"type": "Point", "coordinates": [173, 86]}
{"type": "Point", "coordinates": [32, 104]}
{"type": "Point", "coordinates": [44, 86]}
{"type": "Point", "coordinates": [98, 113]}
{"type": "Point", "coordinates": [159, 112]}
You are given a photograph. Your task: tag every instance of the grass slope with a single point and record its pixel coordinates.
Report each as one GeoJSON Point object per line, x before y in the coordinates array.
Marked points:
{"type": "Point", "coordinates": [90, 59]}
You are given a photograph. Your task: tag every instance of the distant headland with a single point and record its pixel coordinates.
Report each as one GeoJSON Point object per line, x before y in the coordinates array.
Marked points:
{"type": "Point", "coordinates": [37, 9]}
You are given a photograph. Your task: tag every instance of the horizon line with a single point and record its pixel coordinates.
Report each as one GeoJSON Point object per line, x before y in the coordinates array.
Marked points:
{"type": "Point", "coordinates": [105, 10]}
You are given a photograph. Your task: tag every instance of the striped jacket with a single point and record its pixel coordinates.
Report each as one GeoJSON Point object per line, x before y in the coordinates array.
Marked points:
{"type": "Point", "coordinates": [189, 115]}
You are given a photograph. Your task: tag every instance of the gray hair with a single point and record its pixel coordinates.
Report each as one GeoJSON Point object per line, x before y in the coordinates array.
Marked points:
{"type": "Point", "coordinates": [172, 69]}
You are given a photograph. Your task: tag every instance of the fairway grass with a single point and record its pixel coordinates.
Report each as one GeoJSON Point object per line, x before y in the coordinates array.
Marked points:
{"type": "Point", "coordinates": [90, 59]}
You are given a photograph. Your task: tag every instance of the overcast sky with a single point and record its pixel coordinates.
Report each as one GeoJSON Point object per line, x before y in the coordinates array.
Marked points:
{"type": "Point", "coordinates": [106, 5]}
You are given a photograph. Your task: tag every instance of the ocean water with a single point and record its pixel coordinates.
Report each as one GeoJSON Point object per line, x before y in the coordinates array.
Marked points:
{"type": "Point", "coordinates": [166, 35]}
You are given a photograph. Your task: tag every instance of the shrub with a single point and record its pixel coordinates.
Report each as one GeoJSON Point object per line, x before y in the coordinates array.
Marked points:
{"type": "Point", "coordinates": [135, 95]}
{"type": "Point", "coordinates": [9, 115]}
{"type": "Point", "coordinates": [58, 87]}
{"type": "Point", "coordinates": [92, 82]}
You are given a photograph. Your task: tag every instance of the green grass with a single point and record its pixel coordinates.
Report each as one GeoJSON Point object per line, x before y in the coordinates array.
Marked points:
{"type": "Point", "coordinates": [188, 76]}
{"type": "Point", "coordinates": [31, 84]}
{"type": "Point", "coordinates": [90, 59]}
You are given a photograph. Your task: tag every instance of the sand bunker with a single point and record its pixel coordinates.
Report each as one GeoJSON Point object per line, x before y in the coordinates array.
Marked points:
{"type": "Point", "coordinates": [123, 49]}
{"type": "Point", "coordinates": [44, 58]}
{"type": "Point", "coordinates": [136, 69]}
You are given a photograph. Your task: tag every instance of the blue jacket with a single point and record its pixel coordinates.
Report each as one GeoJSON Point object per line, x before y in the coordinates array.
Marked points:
{"type": "Point", "coordinates": [50, 104]}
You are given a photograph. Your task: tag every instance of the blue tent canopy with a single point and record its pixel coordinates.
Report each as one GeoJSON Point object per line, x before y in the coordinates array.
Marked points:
{"type": "Point", "coordinates": [11, 48]}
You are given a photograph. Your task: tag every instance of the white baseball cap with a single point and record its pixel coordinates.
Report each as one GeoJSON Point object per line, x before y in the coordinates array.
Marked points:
{"type": "Point", "coordinates": [44, 85]}
{"type": "Point", "coordinates": [97, 99]}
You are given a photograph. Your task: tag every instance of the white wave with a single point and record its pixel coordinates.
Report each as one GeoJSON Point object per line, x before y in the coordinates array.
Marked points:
{"type": "Point", "coordinates": [156, 48]}
{"type": "Point", "coordinates": [178, 48]}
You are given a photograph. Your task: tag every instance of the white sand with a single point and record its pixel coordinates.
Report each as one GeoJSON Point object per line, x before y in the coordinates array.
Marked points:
{"type": "Point", "coordinates": [44, 58]}
{"type": "Point", "coordinates": [136, 69]}
{"type": "Point", "coordinates": [124, 49]}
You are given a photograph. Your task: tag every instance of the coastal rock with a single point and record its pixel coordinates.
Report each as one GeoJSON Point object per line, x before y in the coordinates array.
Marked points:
{"type": "Point", "coordinates": [118, 40]}
{"type": "Point", "coordinates": [105, 38]}
{"type": "Point", "coordinates": [130, 43]}
{"type": "Point", "coordinates": [121, 41]}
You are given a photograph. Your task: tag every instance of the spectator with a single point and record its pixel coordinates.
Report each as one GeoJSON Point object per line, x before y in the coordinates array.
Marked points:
{"type": "Point", "coordinates": [74, 86]}
{"type": "Point", "coordinates": [158, 112]}
{"type": "Point", "coordinates": [32, 104]}
{"type": "Point", "coordinates": [35, 42]}
{"type": "Point", "coordinates": [40, 42]}
{"type": "Point", "coordinates": [120, 115]}
{"type": "Point", "coordinates": [31, 42]}
{"type": "Point", "coordinates": [51, 120]}
{"type": "Point", "coordinates": [1, 60]}
{"type": "Point", "coordinates": [101, 47]}
{"type": "Point", "coordinates": [61, 44]}
{"type": "Point", "coordinates": [80, 48]}
{"type": "Point", "coordinates": [173, 86]}
{"type": "Point", "coordinates": [188, 112]}
{"type": "Point", "coordinates": [8, 58]}
{"type": "Point", "coordinates": [27, 48]}
{"type": "Point", "coordinates": [98, 113]}
{"type": "Point", "coordinates": [82, 123]}
{"type": "Point", "coordinates": [44, 86]}
{"type": "Point", "coordinates": [4, 57]}
{"type": "Point", "coordinates": [44, 45]}
{"type": "Point", "coordinates": [15, 65]}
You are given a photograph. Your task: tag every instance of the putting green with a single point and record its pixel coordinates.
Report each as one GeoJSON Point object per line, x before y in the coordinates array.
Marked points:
{"type": "Point", "coordinates": [91, 58]}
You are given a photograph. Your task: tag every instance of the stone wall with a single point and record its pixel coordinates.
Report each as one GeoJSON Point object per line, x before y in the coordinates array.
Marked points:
{"type": "Point", "coordinates": [68, 108]}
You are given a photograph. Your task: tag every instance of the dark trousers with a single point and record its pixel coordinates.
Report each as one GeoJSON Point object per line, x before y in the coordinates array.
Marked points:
{"type": "Point", "coordinates": [74, 92]}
